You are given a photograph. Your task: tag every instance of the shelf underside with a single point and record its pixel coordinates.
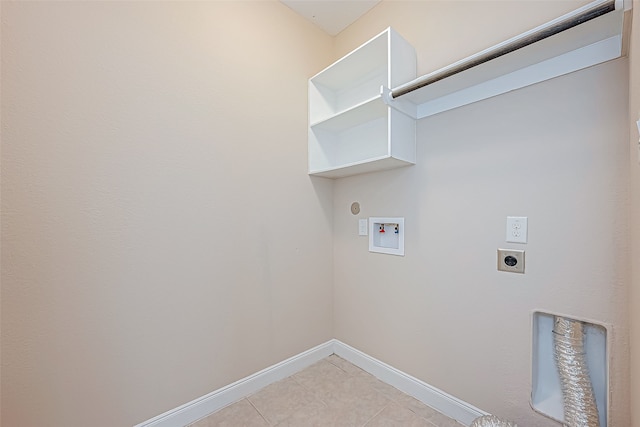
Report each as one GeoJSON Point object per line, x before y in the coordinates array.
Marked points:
{"type": "Point", "coordinates": [364, 166]}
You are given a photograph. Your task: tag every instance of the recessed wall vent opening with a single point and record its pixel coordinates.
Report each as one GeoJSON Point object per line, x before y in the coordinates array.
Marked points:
{"type": "Point", "coordinates": [570, 381]}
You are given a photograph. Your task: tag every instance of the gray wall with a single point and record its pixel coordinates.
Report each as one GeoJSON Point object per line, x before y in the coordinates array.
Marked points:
{"type": "Point", "coordinates": [556, 152]}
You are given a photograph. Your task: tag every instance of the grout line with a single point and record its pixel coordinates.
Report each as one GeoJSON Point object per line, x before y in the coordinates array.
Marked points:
{"type": "Point", "coordinates": [293, 377]}
{"type": "Point", "coordinates": [350, 374]}
{"type": "Point", "coordinates": [318, 398]}
{"type": "Point", "coordinates": [258, 411]}
{"type": "Point", "coordinates": [375, 415]}
{"type": "Point", "coordinates": [340, 369]}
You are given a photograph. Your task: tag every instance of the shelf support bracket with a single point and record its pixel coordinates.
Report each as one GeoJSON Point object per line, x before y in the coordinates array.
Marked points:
{"type": "Point", "coordinates": [405, 107]}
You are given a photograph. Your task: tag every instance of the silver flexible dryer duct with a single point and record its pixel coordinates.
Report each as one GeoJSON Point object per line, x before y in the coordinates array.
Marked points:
{"type": "Point", "coordinates": [580, 408]}
{"type": "Point", "coordinates": [492, 421]}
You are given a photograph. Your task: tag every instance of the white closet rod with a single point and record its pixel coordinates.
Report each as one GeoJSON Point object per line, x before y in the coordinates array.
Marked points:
{"type": "Point", "coordinates": [540, 33]}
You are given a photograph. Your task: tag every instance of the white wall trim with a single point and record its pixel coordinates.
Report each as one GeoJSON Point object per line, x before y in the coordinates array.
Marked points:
{"type": "Point", "coordinates": [427, 394]}
{"type": "Point", "coordinates": [199, 408]}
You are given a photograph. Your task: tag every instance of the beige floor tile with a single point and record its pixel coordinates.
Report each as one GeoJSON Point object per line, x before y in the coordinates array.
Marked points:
{"type": "Point", "coordinates": [426, 412]}
{"type": "Point", "coordinates": [381, 387]}
{"type": "Point", "coordinates": [441, 420]}
{"type": "Point", "coordinates": [321, 372]}
{"type": "Point", "coordinates": [278, 401]}
{"type": "Point", "coordinates": [355, 402]}
{"type": "Point", "coordinates": [444, 421]}
{"type": "Point", "coordinates": [397, 416]}
{"type": "Point", "coordinates": [321, 378]}
{"type": "Point", "coordinates": [240, 414]}
{"type": "Point", "coordinates": [315, 414]}
{"type": "Point", "coordinates": [348, 367]}
{"type": "Point", "coordinates": [417, 407]}
{"type": "Point", "coordinates": [351, 418]}
{"type": "Point", "coordinates": [330, 393]}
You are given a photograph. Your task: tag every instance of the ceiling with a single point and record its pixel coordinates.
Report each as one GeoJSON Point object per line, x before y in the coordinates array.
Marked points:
{"type": "Point", "coordinates": [332, 16]}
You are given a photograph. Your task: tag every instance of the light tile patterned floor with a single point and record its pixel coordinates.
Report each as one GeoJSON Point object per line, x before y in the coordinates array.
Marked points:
{"type": "Point", "coordinates": [332, 392]}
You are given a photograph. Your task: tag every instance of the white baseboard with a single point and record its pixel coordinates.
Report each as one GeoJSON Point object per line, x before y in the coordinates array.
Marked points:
{"type": "Point", "coordinates": [196, 409]}
{"type": "Point", "coordinates": [427, 394]}
{"type": "Point", "coordinates": [199, 408]}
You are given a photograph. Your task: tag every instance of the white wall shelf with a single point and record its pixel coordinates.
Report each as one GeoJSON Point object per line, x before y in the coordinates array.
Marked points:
{"type": "Point", "coordinates": [354, 116]}
{"type": "Point", "coordinates": [587, 44]}
{"type": "Point", "coordinates": [351, 129]}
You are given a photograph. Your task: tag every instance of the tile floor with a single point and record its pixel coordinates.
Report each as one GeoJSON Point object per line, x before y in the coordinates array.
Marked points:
{"type": "Point", "coordinates": [332, 392]}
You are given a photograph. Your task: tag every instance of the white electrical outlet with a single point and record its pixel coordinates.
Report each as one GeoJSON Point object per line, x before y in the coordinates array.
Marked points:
{"type": "Point", "coordinates": [517, 229]}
